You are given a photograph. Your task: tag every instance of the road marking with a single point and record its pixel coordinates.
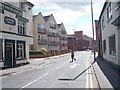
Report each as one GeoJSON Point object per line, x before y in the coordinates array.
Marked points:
{"type": "Point", "coordinates": [44, 66]}
{"type": "Point", "coordinates": [60, 66]}
{"type": "Point", "coordinates": [89, 81]}
{"type": "Point", "coordinates": [33, 81]}
{"type": "Point", "coordinates": [74, 65]}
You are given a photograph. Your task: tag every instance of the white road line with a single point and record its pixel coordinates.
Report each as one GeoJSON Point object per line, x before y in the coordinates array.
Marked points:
{"type": "Point", "coordinates": [33, 81]}
{"type": "Point", "coordinates": [60, 66]}
{"type": "Point", "coordinates": [73, 66]}
{"type": "Point", "coordinates": [44, 66]}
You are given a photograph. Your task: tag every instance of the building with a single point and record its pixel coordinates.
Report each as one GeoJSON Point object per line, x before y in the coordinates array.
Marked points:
{"type": "Point", "coordinates": [109, 22]}
{"type": "Point", "coordinates": [15, 32]}
{"type": "Point", "coordinates": [40, 38]}
{"type": "Point", "coordinates": [63, 37]}
{"type": "Point", "coordinates": [46, 33]}
{"type": "Point", "coordinates": [71, 39]}
{"type": "Point", "coordinates": [79, 41]}
{"type": "Point", "coordinates": [52, 33]}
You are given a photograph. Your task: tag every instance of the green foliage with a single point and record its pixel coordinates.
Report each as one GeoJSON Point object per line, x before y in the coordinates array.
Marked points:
{"type": "Point", "coordinates": [41, 51]}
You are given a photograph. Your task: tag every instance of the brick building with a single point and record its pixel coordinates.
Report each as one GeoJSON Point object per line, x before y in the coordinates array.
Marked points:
{"type": "Point", "coordinates": [79, 41]}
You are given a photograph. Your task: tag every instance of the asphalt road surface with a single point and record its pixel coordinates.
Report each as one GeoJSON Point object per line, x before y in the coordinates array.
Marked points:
{"type": "Point", "coordinates": [58, 72]}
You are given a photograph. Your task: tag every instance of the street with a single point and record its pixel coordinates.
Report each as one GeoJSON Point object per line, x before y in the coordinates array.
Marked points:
{"type": "Point", "coordinates": [58, 72]}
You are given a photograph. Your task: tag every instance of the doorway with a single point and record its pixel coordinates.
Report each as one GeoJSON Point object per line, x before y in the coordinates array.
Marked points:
{"type": "Point", "coordinates": [9, 55]}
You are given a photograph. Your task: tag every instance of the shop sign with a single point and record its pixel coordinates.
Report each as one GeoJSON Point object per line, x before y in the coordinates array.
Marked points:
{"type": "Point", "coordinates": [9, 20]}
{"type": "Point", "coordinates": [10, 8]}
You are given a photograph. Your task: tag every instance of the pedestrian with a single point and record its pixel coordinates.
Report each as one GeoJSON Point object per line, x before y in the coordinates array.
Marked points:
{"type": "Point", "coordinates": [72, 56]}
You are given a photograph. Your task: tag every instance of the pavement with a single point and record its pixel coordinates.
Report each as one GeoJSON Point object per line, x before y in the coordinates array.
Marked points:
{"type": "Point", "coordinates": [105, 76]}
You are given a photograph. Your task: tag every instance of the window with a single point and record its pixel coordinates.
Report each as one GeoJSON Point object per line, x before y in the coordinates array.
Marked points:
{"type": "Point", "coordinates": [104, 46]}
{"type": "Point", "coordinates": [112, 45]}
{"type": "Point", "coordinates": [109, 11]}
{"type": "Point", "coordinates": [22, 5]}
{"type": "Point", "coordinates": [1, 50]}
{"type": "Point", "coordinates": [103, 23]}
{"type": "Point", "coordinates": [41, 26]}
{"type": "Point", "coordinates": [20, 50]}
{"type": "Point", "coordinates": [52, 24]}
{"type": "Point", "coordinates": [21, 27]}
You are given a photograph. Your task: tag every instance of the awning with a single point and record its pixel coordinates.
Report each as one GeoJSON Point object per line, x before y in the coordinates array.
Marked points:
{"type": "Point", "coordinates": [116, 22]}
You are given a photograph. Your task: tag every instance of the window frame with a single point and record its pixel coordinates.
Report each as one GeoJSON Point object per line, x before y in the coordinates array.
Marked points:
{"type": "Point", "coordinates": [21, 27]}
{"type": "Point", "coordinates": [109, 11]}
{"type": "Point", "coordinates": [21, 50]}
{"type": "Point", "coordinates": [112, 45]}
{"type": "Point", "coordinates": [104, 46]}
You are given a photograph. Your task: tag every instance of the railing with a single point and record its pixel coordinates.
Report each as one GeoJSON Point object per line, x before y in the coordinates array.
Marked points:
{"type": "Point", "coordinates": [52, 34]}
{"type": "Point", "coordinates": [63, 38]}
{"type": "Point", "coordinates": [63, 44]}
{"type": "Point", "coordinates": [53, 26]}
{"type": "Point", "coordinates": [63, 32]}
{"type": "Point", "coordinates": [42, 41]}
{"type": "Point", "coordinates": [41, 30]}
{"type": "Point", "coordinates": [53, 43]}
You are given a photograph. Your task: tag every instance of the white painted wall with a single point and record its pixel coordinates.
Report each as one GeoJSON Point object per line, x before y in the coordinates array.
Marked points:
{"type": "Point", "coordinates": [108, 31]}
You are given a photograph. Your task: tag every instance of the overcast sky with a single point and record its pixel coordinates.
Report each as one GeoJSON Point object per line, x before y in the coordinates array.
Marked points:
{"type": "Point", "coordinates": [75, 14]}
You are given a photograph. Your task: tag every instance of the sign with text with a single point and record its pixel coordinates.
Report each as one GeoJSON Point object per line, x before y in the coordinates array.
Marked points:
{"type": "Point", "coordinates": [9, 20]}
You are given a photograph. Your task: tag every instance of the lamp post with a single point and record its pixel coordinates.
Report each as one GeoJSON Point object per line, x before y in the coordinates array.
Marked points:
{"type": "Point", "coordinates": [93, 28]}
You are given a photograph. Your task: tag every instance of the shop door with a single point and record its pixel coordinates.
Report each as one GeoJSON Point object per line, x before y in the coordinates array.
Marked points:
{"type": "Point", "coordinates": [9, 55]}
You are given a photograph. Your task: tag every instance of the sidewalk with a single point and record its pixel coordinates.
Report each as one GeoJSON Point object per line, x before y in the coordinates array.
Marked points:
{"type": "Point", "coordinates": [33, 63]}
{"type": "Point", "coordinates": [106, 75]}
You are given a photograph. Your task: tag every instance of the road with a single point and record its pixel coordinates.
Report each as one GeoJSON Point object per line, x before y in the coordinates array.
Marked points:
{"type": "Point", "coordinates": [58, 72]}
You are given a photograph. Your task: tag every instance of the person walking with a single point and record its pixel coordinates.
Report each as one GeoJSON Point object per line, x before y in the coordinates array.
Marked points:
{"type": "Point", "coordinates": [72, 56]}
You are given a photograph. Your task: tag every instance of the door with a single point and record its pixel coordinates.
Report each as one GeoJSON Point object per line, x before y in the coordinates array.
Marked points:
{"type": "Point", "coordinates": [9, 55]}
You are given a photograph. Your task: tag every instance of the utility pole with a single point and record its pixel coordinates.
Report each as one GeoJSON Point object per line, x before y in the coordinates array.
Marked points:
{"type": "Point", "coordinates": [93, 28]}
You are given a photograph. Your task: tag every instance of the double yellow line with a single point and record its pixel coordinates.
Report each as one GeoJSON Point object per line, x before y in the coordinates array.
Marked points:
{"type": "Point", "coordinates": [89, 80]}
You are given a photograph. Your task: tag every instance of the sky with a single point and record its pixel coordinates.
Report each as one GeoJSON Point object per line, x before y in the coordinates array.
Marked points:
{"type": "Point", "coordinates": [75, 14]}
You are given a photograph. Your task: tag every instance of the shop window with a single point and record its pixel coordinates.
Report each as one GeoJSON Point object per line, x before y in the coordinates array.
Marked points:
{"type": "Point", "coordinates": [21, 49]}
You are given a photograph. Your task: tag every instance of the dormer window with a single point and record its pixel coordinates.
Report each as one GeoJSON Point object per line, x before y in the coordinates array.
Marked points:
{"type": "Point", "coordinates": [52, 24]}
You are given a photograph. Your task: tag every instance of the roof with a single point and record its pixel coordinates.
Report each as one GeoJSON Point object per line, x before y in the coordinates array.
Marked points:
{"type": "Point", "coordinates": [46, 17]}
{"type": "Point", "coordinates": [59, 25]}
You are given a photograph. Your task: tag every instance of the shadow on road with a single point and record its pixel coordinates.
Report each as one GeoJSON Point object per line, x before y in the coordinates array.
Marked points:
{"type": "Point", "coordinates": [68, 79]}
{"type": "Point", "coordinates": [110, 71]}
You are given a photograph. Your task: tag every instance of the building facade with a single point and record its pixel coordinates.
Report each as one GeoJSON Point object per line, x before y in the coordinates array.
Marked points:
{"type": "Point", "coordinates": [15, 32]}
{"type": "Point", "coordinates": [109, 22]}
{"type": "Point", "coordinates": [40, 39]}
{"type": "Point", "coordinates": [63, 37]}
{"type": "Point", "coordinates": [79, 41]}
{"type": "Point", "coordinates": [52, 33]}
{"type": "Point", "coordinates": [48, 34]}
{"type": "Point", "coordinates": [71, 39]}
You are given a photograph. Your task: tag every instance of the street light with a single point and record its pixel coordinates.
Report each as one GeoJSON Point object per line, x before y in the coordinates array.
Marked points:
{"type": "Point", "coordinates": [93, 29]}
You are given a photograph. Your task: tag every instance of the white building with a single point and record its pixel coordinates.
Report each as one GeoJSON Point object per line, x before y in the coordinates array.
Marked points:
{"type": "Point", "coordinates": [15, 32]}
{"type": "Point", "coordinates": [110, 27]}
